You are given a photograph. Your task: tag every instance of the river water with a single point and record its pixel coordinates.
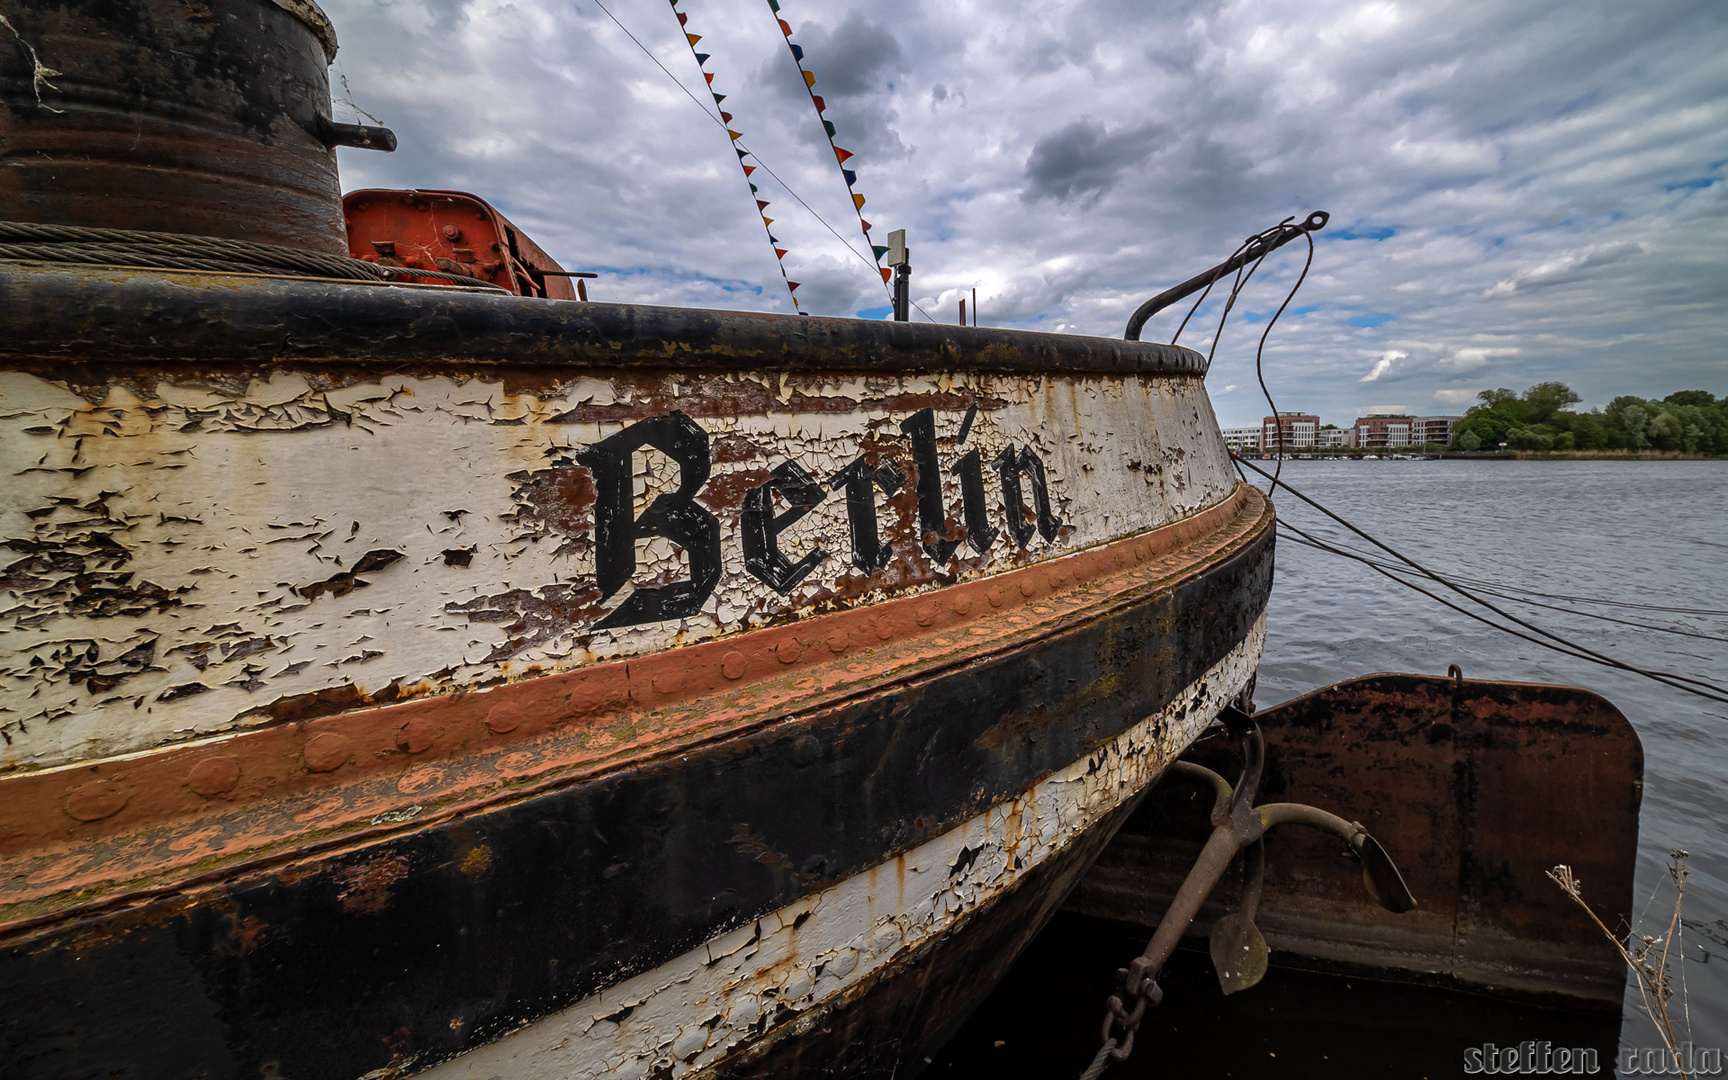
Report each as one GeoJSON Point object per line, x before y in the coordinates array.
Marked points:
{"type": "Point", "coordinates": [1650, 533]}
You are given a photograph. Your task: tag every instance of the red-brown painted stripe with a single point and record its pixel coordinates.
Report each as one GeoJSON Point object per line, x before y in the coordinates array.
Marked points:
{"type": "Point", "coordinates": [74, 835]}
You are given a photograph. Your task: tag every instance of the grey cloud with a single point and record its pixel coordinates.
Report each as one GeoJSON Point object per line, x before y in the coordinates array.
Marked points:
{"type": "Point", "coordinates": [1109, 148]}
{"type": "Point", "coordinates": [1083, 158]}
{"type": "Point", "coordinates": [856, 57]}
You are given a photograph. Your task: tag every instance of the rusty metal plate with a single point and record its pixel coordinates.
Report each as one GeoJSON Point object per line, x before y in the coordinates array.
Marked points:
{"type": "Point", "coordinates": [1475, 787]}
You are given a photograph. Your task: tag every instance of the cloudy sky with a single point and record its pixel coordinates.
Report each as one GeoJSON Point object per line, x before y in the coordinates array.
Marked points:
{"type": "Point", "coordinates": [1519, 191]}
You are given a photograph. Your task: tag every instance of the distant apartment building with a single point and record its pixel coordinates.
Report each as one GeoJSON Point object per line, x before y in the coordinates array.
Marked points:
{"type": "Point", "coordinates": [1434, 429]}
{"type": "Point", "coordinates": [1289, 431]}
{"type": "Point", "coordinates": [1242, 438]}
{"type": "Point", "coordinates": [1333, 437]}
{"type": "Point", "coordinates": [1384, 431]}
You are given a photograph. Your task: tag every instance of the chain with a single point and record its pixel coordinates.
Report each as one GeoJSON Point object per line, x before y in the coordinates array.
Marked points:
{"type": "Point", "coordinates": [1139, 990]}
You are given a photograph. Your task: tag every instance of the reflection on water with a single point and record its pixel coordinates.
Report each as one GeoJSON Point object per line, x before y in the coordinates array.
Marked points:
{"type": "Point", "coordinates": [1652, 533]}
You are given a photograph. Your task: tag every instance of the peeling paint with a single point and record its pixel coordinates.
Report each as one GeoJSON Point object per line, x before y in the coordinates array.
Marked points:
{"type": "Point", "coordinates": [182, 558]}
{"type": "Point", "coordinates": [764, 979]}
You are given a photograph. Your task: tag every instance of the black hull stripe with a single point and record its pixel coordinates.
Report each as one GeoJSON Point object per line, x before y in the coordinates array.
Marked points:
{"type": "Point", "coordinates": [431, 942]}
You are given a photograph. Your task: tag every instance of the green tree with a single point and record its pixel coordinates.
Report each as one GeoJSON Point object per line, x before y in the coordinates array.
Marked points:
{"type": "Point", "coordinates": [1469, 441]}
{"type": "Point", "coordinates": [1690, 397]}
{"type": "Point", "coordinates": [1545, 399]}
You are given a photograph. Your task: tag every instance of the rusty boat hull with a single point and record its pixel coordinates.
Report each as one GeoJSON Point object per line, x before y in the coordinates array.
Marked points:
{"type": "Point", "coordinates": [414, 680]}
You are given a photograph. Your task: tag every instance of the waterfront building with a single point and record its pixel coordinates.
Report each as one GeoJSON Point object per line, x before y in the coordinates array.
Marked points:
{"type": "Point", "coordinates": [1242, 438]}
{"type": "Point", "coordinates": [1332, 437]}
{"type": "Point", "coordinates": [1289, 431]}
{"type": "Point", "coordinates": [1387, 431]}
{"type": "Point", "coordinates": [1437, 430]}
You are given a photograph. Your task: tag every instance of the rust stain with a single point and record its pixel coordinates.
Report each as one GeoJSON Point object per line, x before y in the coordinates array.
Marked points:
{"type": "Point", "coordinates": [503, 742]}
{"type": "Point", "coordinates": [367, 886]}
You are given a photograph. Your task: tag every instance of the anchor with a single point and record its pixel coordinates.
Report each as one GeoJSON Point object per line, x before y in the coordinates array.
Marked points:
{"type": "Point", "coordinates": [1239, 950]}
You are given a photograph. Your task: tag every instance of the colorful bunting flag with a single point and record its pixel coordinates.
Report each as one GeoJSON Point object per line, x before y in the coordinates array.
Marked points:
{"type": "Point", "coordinates": [702, 59]}
{"type": "Point", "coordinates": [841, 155]}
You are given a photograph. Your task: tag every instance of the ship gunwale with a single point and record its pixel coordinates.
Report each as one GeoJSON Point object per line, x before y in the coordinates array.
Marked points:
{"type": "Point", "coordinates": [97, 316]}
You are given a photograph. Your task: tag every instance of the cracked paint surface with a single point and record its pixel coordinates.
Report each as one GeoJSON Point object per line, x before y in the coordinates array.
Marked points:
{"type": "Point", "coordinates": [194, 558]}
{"type": "Point", "coordinates": [781, 970]}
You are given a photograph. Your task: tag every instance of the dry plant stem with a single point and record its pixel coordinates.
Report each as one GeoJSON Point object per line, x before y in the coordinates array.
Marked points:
{"type": "Point", "coordinates": [1653, 984]}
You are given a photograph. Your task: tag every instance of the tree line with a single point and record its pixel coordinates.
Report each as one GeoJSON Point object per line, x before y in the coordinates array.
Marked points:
{"type": "Point", "coordinates": [1691, 421]}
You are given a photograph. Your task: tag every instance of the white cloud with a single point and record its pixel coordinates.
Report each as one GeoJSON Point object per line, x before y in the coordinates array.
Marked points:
{"type": "Point", "coordinates": [1370, 409]}
{"type": "Point", "coordinates": [1455, 397]}
{"type": "Point", "coordinates": [1384, 364]}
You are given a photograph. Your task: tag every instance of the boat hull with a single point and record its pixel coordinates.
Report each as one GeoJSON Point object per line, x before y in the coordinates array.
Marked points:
{"type": "Point", "coordinates": [459, 677]}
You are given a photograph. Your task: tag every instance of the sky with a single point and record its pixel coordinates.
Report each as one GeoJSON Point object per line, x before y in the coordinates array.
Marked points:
{"type": "Point", "coordinates": [1520, 191]}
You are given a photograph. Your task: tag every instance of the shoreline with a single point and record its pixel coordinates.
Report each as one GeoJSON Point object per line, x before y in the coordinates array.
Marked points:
{"type": "Point", "coordinates": [1516, 455]}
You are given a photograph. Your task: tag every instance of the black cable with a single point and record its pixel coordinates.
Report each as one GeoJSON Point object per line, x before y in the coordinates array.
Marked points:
{"type": "Point", "coordinates": [698, 101]}
{"type": "Point", "coordinates": [1576, 652]}
{"type": "Point", "coordinates": [1563, 645]}
{"type": "Point", "coordinates": [1494, 590]}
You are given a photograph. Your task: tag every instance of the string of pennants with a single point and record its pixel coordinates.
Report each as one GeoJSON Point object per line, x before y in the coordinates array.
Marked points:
{"type": "Point", "coordinates": [735, 135]}
{"type": "Point", "coordinates": [841, 156]}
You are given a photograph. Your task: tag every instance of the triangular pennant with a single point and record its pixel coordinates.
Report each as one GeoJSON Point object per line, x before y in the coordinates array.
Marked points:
{"type": "Point", "coordinates": [809, 77]}
{"type": "Point", "coordinates": [761, 204]}
{"type": "Point", "coordinates": [828, 126]}
{"type": "Point", "coordinates": [792, 286]}
{"type": "Point", "coordinates": [753, 189]}
{"type": "Point", "coordinates": [879, 250]}
{"type": "Point", "coordinates": [709, 77]}
{"type": "Point", "coordinates": [784, 29]}
{"type": "Point", "coordinates": [797, 52]}
{"type": "Point", "coordinates": [767, 221]}
{"type": "Point", "coordinates": [867, 226]}
{"type": "Point", "coordinates": [774, 6]}
{"type": "Point", "coordinates": [842, 155]}
{"type": "Point", "coordinates": [748, 169]}
{"type": "Point", "coordinates": [683, 19]}
{"type": "Point", "coordinates": [772, 239]}
{"type": "Point", "coordinates": [726, 116]}
{"type": "Point", "coordinates": [742, 154]}
{"type": "Point", "coordinates": [821, 106]}
{"type": "Point", "coordinates": [702, 58]}
{"type": "Point", "coordinates": [779, 253]}
{"type": "Point", "coordinates": [718, 98]}
{"type": "Point", "coordinates": [851, 177]}
{"type": "Point", "coordinates": [858, 201]}
{"type": "Point", "coordinates": [694, 38]}
{"type": "Point", "coordinates": [887, 275]}
{"type": "Point", "coordinates": [736, 135]}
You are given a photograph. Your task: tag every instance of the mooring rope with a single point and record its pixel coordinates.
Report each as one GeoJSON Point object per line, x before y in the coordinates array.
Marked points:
{"type": "Point", "coordinates": [1556, 642]}
{"type": "Point", "coordinates": [21, 240]}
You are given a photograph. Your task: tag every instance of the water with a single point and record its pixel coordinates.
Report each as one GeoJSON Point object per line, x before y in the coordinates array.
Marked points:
{"type": "Point", "coordinates": [1637, 532]}
{"type": "Point", "coordinates": [1652, 532]}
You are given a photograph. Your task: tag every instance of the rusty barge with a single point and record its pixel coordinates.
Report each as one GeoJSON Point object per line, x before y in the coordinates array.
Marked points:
{"type": "Point", "coordinates": [412, 668]}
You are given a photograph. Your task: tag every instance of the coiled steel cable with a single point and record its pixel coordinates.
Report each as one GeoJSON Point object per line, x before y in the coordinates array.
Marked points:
{"type": "Point", "coordinates": [20, 240]}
